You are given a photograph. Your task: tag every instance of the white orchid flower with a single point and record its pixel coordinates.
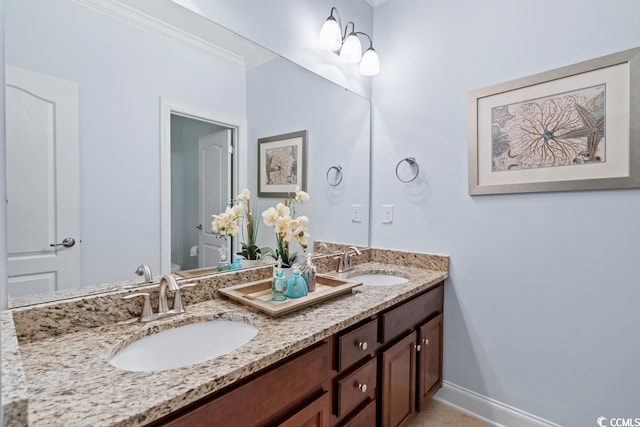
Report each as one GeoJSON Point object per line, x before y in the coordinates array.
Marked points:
{"type": "Point", "coordinates": [302, 237]}
{"type": "Point", "coordinates": [244, 195]}
{"type": "Point", "coordinates": [302, 196]}
{"type": "Point", "coordinates": [282, 210]}
{"type": "Point", "coordinates": [237, 210]}
{"type": "Point", "coordinates": [283, 224]}
{"type": "Point", "coordinates": [215, 224]}
{"type": "Point", "coordinates": [269, 216]}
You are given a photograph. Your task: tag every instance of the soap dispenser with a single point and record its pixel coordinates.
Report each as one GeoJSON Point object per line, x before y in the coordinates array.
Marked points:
{"type": "Point", "coordinates": [236, 265]}
{"type": "Point", "coordinates": [309, 274]}
{"type": "Point", "coordinates": [223, 264]}
{"type": "Point", "coordinates": [278, 285]}
{"type": "Point", "coordinates": [296, 286]}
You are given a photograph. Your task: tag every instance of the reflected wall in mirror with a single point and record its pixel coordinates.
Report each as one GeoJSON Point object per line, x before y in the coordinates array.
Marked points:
{"type": "Point", "coordinates": [122, 71]}
{"type": "Point", "coordinates": [284, 99]}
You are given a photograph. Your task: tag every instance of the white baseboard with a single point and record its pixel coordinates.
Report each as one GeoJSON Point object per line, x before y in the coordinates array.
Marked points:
{"type": "Point", "coordinates": [486, 409]}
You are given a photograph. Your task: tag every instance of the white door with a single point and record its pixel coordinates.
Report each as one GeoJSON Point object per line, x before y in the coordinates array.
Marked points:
{"type": "Point", "coordinates": [43, 208]}
{"type": "Point", "coordinates": [213, 193]}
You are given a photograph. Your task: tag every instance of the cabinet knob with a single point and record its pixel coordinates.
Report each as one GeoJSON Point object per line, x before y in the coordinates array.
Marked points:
{"type": "Point", "coordinates": [362, 345]}
{"type": "Point", "coordinates": [362, 387]}
{"type": "Point", "coordinates": [426, 341]}
{"type": "Point", "coordinates": [417, 347]}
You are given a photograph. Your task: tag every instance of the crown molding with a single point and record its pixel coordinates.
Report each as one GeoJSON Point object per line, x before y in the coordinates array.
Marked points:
{"type": "Point", "coordinates": [143, 21]}
{"type": "Point", "coordinates": [375, 3]}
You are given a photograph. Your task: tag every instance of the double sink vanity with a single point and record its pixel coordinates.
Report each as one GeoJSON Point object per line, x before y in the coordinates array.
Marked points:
{"type": "Point", "coordinates": [372, 356]}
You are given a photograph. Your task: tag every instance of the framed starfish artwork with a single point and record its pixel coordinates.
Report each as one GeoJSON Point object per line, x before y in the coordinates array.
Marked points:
{"type": "Point", "coordinates": [573, 128]}
{"type": "Point", "coordinates": [282, 164]}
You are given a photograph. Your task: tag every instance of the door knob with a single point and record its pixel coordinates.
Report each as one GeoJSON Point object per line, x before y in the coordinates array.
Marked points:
{"type": "Point", "coordinates": [67, 242]}
{"type": "Point", "coordinates": [199, 226]}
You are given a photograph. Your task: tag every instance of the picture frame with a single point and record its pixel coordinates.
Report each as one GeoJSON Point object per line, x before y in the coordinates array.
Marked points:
{"type": "Point", "coordinates": [282, 164]}
{"type": "Point", "coordinates": [572, 128]}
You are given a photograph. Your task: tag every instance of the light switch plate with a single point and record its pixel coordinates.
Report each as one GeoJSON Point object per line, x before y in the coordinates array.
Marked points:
{"type": "Point", "coordinates": [387, 214]}
{"type": "Point", "coordinates": [356, 213]}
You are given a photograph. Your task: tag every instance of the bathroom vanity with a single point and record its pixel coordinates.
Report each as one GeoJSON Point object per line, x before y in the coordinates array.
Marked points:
{"type": "Point", "coordinates": [374, 356]}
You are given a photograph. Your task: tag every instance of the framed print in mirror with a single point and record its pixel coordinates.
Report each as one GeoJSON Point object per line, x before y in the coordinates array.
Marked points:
{"type": "Point", "coordinates": [282, 164]}
{"type": "Point", "coordinates": [573, 128]}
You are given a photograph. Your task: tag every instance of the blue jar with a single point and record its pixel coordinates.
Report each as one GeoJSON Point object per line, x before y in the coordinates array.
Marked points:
{"type": "Point", "coordinates": [237, 264]}
{"type": "Point", "coordinates": [296, 285]}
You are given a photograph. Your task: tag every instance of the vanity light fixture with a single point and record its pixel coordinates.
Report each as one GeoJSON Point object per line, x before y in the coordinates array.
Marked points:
{"type": "Point", "coordinates": [347, 45]}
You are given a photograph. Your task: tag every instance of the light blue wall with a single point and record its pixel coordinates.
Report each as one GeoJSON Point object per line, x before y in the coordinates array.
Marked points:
{"type": "Point", "coordinates": [541, 310]}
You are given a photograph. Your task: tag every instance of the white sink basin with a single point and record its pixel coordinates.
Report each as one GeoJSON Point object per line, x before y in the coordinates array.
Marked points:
{"type": "Point", "coordinates": [379, 279]}
{"type": "Point", "coordinates": [184, 346]}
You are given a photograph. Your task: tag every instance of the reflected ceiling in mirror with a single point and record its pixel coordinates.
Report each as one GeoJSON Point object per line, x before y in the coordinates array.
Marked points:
{"type": "Point", "coordinates": [122, 66]}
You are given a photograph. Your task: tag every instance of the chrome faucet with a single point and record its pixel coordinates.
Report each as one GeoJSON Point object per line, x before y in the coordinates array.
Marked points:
{"type": "Point", "coordinates": [144, 270]}
{"type": "Point", "coordinates": [167, 282]}
{"type": "Point", "coordinates": [344, 263]}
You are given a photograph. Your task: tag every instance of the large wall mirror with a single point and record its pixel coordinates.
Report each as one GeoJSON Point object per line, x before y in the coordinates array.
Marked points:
{"type": "Point", "coordinates": [122, 73]}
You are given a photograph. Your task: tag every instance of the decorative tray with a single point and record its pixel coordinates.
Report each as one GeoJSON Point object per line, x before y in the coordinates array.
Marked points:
{"type": "Point", "coordinates": [258, 295]}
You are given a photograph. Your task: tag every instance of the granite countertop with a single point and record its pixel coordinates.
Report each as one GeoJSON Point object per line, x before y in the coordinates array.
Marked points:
{"type": "Point", "coordinates": [69, 381]}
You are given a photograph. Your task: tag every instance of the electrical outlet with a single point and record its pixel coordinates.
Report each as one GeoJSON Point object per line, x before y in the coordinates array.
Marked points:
{"type": "Point", "coordinates": [356, 213]}
{"type": "Point", "coordinates": [387, 214]}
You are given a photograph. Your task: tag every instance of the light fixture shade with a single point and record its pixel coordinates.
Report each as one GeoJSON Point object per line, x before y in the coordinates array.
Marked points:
{"type": "Point", "coordinates": [330, 37]}
{"type": "Point", "coordinates": [351, 51]}
{"type": "Point", "coordinates": [370, 64]}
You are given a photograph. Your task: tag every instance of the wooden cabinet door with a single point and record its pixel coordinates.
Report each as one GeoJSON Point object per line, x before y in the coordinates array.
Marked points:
{"type": "Point", "coordinates": [398, 382]}
{"type": "Point", "coordinates": [430, 360]}
{"type": "Point", "coordinates": [315, 414]}
{"type": "Point", "coordinates": [365, 418]}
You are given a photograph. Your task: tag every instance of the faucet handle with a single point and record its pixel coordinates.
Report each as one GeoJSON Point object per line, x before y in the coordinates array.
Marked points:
{"type": "Point", "coordinates": [178, 307]}
{"type": "Point", "coordinates": [354, 249]}
{"type": "Point", "coordinates": [147, 312]}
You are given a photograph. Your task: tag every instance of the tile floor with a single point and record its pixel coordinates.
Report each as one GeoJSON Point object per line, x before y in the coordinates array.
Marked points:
{"type": "Point", "coordinates": [437, 414]}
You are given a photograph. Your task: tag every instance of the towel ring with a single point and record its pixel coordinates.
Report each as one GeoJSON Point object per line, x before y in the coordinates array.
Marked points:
{"type": "Point", "coordinates": [412, 162]}
{"type": "Point", "coordinates": [337, 175]}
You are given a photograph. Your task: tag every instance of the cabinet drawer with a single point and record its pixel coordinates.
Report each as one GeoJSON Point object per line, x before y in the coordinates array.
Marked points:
{"type": "Point", "coordinates": [408, 315]}
{"type": "Point", "coordinates": [355, 345]}
{"type": "Point", "coordinates": [365, 418]}
{"type": "Point", "coordinates": [356, 388]}
{"type": "Point", "coordinates": [315, 414]}
{"type": "Point", "coordinates": [265, 398]}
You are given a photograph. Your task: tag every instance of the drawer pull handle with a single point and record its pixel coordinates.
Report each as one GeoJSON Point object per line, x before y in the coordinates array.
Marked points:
{"type": "Point", "coordinates": [362, 387]}
{"type": "Point", "coordinates": [363, 345]}
{"type": "Point", "coordinates": [425, 341]}
{"type": "Point", "coordinates": [417, 347]}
